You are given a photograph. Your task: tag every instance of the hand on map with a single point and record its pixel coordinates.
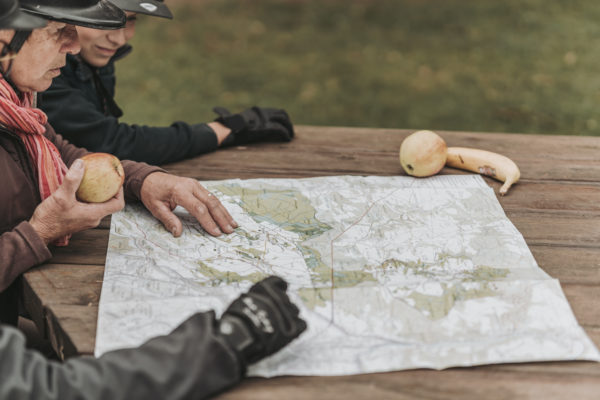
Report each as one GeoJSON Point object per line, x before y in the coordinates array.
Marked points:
{"type": "Point", "coordinates": [162, 192]}
{"type": "Point", "coordinates": [62, 214]}
{"type": "Point", "coordinates": [262, 321]}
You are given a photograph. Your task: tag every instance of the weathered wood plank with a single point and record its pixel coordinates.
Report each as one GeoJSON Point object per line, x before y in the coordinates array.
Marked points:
{"type": "Point", "coordinates": [78, 323]}
{"type": "Point", "coordinates": [559, 229]}
{"type": "Point", "coordinates": [66, 283]}
{"type": "Point", "coordinates": [555, 147]}
{"type": "Point", "coordinates": [570, 265]}
{"type": "Point", "coordinates": [339, 151]}
{"type": "Point", "coordinates": [473, 383]}
{"type": "Point", "coordinates": [86, 247]}
{"type": "Point", "coordinates": [297, 165]}
{"type": "Point", "coordinates": [105, 223]}
{"type": "Point", "coordinates": [34, 304]}
{"type": "Point", "coordinates": [547, 196]}
{"type": "Point", "coordinates": [585, 303]}
{"type": "Point", "coordinates": [72, 329]}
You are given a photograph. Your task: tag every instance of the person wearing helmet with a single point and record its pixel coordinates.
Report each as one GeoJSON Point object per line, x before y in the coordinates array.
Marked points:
{"type": "Point", "coordinates": [34, 160]}
{"type": "Point", "coordinates": [80, 104]}
{"type": "Point", "coordinates": [38, 196]}
{"type": "Point", "coordinates": [32, 157]}
{"type": "Point", "coordinates": [203, 355]}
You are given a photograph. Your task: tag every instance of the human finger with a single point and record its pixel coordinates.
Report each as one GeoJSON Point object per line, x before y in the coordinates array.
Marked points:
{"type": "Point", "coordinates": [115, 204]}
{"type": "Point", "coordinates": [94, 212]}
{"type": "Point", "coordinates": [216, 208]}
{"type": "Point", "coordinates": [201, 212]}
{"type": "Point", "coordinates": [208, 211]}
{"type": "Point", "coordinates": [73, 177]}
{"type": "Point", "coordinates": [164, 214]}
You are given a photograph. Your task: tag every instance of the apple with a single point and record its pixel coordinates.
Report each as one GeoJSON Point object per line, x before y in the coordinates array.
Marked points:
{"type": "Point", "coordinates": [423, 153]}
{"type": "Point", "coordinates": [102, 179]}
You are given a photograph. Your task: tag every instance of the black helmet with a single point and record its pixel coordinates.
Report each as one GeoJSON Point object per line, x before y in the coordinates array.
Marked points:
{"type": "Point", "coordinates": [156, 8]}
{"type": "Point", "coordinates": [97, 14]}
{"type": "Point", "coordinates": [13, 18]}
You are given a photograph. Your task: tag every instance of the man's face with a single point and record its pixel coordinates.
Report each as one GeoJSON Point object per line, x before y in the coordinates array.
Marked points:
{"type": "Point", "coordinates": [42, 56]}
{"type": "Point", "coordinates": [98, 46]}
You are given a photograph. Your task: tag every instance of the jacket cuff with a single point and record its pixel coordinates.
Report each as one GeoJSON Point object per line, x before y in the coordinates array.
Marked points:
{"type": "Point", "coordinates": [39, 250]}
{"type": "Point", "coordinates": [135, 173]}
{"type": "Point", "coordinates": [204, 139]}
{"type": "Point", "coordinates": [21, 249]}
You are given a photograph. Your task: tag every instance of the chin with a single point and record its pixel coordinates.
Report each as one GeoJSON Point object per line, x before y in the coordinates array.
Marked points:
{"type": "Point", "coordinates": [39, 87]}
{"type": "Point", "coordinates": [27, 85]}
{"type": "Point", "coordinates": [98, 62]}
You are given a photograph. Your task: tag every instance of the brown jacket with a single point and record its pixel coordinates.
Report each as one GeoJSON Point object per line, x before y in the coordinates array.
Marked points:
{"type": "Point", "coordinates": [20, 247]}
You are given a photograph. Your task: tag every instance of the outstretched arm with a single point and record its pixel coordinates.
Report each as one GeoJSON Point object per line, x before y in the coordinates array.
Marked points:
{"type": "Point", "coordinates": [80, 121]}
{"type": "Point", "coordinates": [193, 362]}
{"type": "Point", "coordinates": [200, 358]}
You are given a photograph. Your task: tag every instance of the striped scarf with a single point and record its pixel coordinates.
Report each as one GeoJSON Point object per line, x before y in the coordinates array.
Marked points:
{"type": "Point", "coordinates": [29, 124]}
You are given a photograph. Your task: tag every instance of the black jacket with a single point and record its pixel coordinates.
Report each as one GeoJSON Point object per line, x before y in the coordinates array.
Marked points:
{"type": "Point", "coordinates": [80, 106]}
{"type": "Point", "coordinates": [193, 362]}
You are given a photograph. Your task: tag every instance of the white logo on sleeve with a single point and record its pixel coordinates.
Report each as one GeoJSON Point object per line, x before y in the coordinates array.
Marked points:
{"type": "Point", "coordinates": [148, 6]}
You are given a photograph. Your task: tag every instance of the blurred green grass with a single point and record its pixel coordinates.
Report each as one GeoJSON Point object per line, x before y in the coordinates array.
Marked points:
{"type": "Point", "coordinates": [526, 66]}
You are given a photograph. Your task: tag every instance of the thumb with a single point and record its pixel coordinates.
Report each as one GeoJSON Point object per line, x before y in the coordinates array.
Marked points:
{"type": "Point", "coordinates": [73, 177]}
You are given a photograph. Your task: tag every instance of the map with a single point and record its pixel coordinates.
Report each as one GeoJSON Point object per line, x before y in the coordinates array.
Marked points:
{"type": "Point", "coordinates": [390, 273]}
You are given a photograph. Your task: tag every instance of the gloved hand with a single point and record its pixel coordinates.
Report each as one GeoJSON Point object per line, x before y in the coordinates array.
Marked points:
{"type": "Point", "coordinates": [262, 321]}
{"type": "Point", "coordinates": [255, 124]}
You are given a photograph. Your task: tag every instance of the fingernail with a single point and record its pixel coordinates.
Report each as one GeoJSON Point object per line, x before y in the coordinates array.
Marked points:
{"type": "Point", "coordinates": [77, 164]}
{"type": "Point", "coordinates": [217, 232]}
{"type": "Point", "coordinates": [235, 224]}
{"type": "Point", "coordinates": [173, 230]}
{"type": "Point", "coordinates": [229, 229]}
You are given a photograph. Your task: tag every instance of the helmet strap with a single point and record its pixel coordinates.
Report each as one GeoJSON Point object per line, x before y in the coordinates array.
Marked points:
{"type": "Point", "coordinates": [18, 40]}
{"type": "Point", "coordinates": [14, 46]}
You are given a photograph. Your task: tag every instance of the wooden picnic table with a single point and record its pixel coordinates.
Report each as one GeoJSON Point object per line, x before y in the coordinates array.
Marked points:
{"type": "Point", "coordinates": [555, 205]}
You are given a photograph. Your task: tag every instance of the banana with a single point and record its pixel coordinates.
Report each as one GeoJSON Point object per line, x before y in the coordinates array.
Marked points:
{"type": "Point", "coordinates": [485, 162]}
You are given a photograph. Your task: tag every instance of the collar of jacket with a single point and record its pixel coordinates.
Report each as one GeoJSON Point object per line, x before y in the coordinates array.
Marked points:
{"type": "Point", "coordinates": [83, 70]}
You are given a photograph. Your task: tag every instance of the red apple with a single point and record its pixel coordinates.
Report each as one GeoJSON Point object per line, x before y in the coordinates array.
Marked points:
{"type": "Point", "coordinates": [102, 179]}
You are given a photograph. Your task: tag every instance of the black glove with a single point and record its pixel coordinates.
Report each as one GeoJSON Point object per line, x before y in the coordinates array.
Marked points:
{"type": "Point", "coordinates": [262, 321]}
{"type": "Point", "coordinates": [255, 125]}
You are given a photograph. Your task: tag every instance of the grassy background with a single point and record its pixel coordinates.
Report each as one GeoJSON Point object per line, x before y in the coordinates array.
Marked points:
{"type": "Point", "coordinates": [479, 65]}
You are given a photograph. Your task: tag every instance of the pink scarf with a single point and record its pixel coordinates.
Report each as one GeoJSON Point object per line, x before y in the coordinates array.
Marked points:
{"type": "Point", "coordinates": [29, 123]}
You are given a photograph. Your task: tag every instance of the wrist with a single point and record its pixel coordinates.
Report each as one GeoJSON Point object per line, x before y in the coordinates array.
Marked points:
{"type": "Point", "coordinates": [238, 336]}
{"type": "Point", "coordinates": [41, 230]}
{"type": "Point", "coordinates": [220, 130]}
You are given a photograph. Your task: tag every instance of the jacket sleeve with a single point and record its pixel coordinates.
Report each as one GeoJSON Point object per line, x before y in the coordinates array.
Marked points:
{"type": "Point", "coordinates": [20, 249]}
{"type": "Point", "coordinates": [135, 172]}
{"type": "Point", "coordinates": [193, 362]}
{"type": "Point", "coordinates": [83, 124]}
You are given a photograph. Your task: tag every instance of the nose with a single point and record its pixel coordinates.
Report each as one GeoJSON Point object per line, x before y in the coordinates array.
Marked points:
{"type": "Point", "coordinates": [118, 37]}
{"type": "Point", "coordinates": [71, 40]}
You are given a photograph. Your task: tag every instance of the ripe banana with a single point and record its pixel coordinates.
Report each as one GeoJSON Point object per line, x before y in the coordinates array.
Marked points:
{"type": "Point", "coordinates": [485, 162]}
